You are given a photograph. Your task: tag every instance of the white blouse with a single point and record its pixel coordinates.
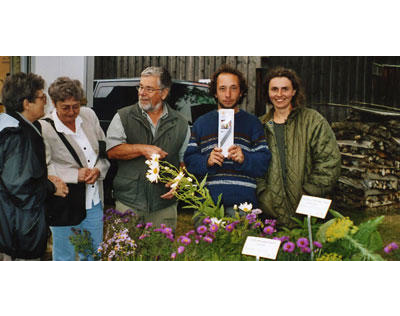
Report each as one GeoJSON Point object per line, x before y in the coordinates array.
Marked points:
{"type": "Point", "coordinates": [92, 190]}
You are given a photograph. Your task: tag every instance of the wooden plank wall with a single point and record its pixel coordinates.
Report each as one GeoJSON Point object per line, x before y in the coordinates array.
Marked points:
{"type": "Point", "coordinates": [327, 79]}
{"type": "Point", "coordinates": [342, 80]}
{"type": "Point", "coordinates": [190, 68]}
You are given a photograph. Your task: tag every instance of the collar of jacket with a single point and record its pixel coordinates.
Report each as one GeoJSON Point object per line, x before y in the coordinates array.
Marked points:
{"type": "Point", "coordinates": [137, 114]}
{"type": "Point", "coordinates": [268, 117]}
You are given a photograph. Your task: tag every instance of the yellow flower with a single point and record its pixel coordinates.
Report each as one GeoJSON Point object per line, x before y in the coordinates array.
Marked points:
{"type": "Point", "coordinates": [330, 257]}
{"type": "Point", "coordinates": [339, 229]}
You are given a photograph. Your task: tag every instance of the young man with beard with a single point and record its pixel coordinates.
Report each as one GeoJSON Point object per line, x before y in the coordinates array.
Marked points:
{"type": "Point", "coordinates": [136, 132]}
{"type": "Point", "coordinates": [235, 175]}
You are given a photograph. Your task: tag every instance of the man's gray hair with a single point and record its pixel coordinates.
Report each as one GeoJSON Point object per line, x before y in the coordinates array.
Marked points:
{"type": "Point", "coordinates": [162, 73]}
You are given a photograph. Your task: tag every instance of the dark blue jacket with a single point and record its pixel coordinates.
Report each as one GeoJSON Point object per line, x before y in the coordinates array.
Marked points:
{"type": "Point", "coordinates": [23, 189]}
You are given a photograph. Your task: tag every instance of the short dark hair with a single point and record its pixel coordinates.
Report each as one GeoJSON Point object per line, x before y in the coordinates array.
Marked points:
{"type": "Point", "coordinates": [299, 98]}
{"type": "Point", "coordinates": [230, 70]}
{"type": "Point", "coordinates": [19, 87]}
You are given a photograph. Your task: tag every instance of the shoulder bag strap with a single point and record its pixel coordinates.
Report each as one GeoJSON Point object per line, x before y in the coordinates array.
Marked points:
{"type": "Point", "coordinates": [66, 143]}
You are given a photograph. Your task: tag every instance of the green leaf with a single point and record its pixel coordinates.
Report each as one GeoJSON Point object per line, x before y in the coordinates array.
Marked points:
{"type": "Point", "coordinates": [203, 182]}
{"type": "Point", "coordinates": [321, 234]}
{"type": "Point", "coordinates": [335, 213]}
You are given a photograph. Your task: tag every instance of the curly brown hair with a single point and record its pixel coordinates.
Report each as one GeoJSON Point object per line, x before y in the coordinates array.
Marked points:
{"type": "Point", "coordinates": [230, 70]}
{"type": "Point", "coordinates": [299, 98]}
{"type": "Point", "coordinates": [64, 88]}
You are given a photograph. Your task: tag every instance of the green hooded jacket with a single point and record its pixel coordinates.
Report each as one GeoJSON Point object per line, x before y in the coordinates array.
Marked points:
{"type": "Point", "coordinates": [312, 163]}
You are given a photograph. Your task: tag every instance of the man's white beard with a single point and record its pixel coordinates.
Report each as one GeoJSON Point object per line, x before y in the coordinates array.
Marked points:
{"type": "Point", "coordinates": [149, 108]}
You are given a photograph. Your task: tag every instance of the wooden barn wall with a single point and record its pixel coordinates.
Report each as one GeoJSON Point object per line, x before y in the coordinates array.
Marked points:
{"type": "Point", "coordinates": [190, 68]}
{"type": "Point", "coordinates": [344, 80]}
{"type": "Point", "coordinates": [327, 79]}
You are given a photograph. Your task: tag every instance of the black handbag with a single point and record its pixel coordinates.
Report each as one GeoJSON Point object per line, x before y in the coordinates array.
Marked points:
{"type": "Point", "coordinates": [71, 210]}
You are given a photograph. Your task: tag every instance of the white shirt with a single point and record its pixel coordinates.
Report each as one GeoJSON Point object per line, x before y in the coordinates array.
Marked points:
{"type": "Point", "coordinates": [92, 190]}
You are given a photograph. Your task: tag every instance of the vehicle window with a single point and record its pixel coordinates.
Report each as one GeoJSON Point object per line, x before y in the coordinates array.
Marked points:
{"type": "Point", "coordinates": [108, 100]}
{"type": "Point", "coordinates": [191, 101]}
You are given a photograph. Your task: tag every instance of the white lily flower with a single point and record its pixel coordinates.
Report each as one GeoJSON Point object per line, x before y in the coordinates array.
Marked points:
{"type": "Point", "coordinates": [177, 179]}
{"type": "Point", "coordinates": [153, 174]}
{"type": "Point", "coordinates": [217, 221]}
{"type": "Point", "coordinates": [246, 207]}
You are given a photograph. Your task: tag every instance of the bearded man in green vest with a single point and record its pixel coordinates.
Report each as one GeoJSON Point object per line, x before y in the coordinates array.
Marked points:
{"type": "Point", "coordinates": [305, 154]}
{"type": "Point", "coordinates": [137, 132]}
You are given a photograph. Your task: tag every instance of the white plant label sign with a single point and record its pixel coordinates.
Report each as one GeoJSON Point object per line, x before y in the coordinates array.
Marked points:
{"type": "Point", "coordinates": [313, 206]}
{"type": "Point", "coordinates": [261, 247]}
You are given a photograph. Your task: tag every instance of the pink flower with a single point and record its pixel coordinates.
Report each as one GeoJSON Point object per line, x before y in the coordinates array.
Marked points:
{"type": "Point", "coordinates": [302, 242]}
{"type": "Point", "coordinates": [181, 249]}
{"type": "Point", "coordinates": [213, 228]}
{"type": "Point", "coordinates": [173, 255]}
{"type": "Point", "coordinates": [269, 230]}
{"type": "Point", "coordinates": [288, 246]}
{"type": "Point", "coordinates": [389, 248]}
{"type": "Point", "coordinates": [208, 239]}
{"type": "Point", "coordinates": [201, 229]}
{"type": "Point", "coordinates": [317, 244]}
{"type": "Point", "coordinates": [305, 249]}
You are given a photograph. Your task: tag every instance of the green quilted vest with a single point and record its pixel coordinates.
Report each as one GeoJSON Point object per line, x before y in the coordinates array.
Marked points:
{"type": "Point", "coordinates": [131, 186]}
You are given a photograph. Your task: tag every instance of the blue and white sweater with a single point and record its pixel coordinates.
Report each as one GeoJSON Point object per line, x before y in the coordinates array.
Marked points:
{"type": "Point", "coordinates": [235, 181]}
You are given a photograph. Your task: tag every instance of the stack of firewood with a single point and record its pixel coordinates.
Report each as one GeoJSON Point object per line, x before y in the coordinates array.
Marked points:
{"type": "Point", "coordinates": [369, 141]}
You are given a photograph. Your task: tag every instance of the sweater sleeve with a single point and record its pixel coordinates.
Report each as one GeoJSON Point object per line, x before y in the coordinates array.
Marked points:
{"type": "Point", "coordinates": [257, 155]}
{"type": "Point", "coordinates": [195, 160]}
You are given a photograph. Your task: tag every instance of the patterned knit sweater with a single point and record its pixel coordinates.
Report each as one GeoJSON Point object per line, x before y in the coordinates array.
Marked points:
{"type": "Point", "coordinates": [235, 181]}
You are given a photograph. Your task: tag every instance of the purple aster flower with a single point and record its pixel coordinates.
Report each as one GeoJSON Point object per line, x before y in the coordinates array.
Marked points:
{"type": "Point", "coordinates": [143, 236]}
{"type": "Point", "coordinates": [288, 246]}
{"type": "Point", "coordinates": [158, 230]}
{"type": "Point", "coordinates": [190, 232]}
{"type": "Point", "coordinates": [285, 238]}
{"type": "Point", "coordinates": [235, 223]}
{"type": "Point", "coordinates": [229, 227]}
{"type": "Point", "coordinates": [181, 249]}
{"type": "Point", "coordinates": [302, 242]}
{"type": "Point", "coordinates": [251, 217]}
{"type": "Point", "coordinates": [173, 255]}
{"type": "Point", "coordinates": [167, 230]}
{"type": "Point", "coordinates": [196, 241]}
{"type": "Point", "coordinates": [201, 229]}
{"type": "Point", "coordinates": [305, 249]}
{"type": "Point", "coordinates": [206, 221]}
{"type": "Point", "coordinates": [269, 230]}
{"type": "Point", "coordinates": [257, 224]}
{"type": "Point", "coordinates": [163, 226]}
{"type": "Point", "coordinates": [185, 240]}
{"type": "Point", "coordinates": [317, 244]}
{"type": "Point", "coordinates": [139, 225]}
{"type": "Point", "coordinates": [271, 222]}
{"type": "Point", "coordinates": [213, 228]}
{"type": "Point", "coordinates": [208, 239]}
{"type": "Point", "coordinates": [390, 247]}
{"type": "Point", "coordinates": [148, 225]}
{"type": "Point", "coordinates": [170, 237]}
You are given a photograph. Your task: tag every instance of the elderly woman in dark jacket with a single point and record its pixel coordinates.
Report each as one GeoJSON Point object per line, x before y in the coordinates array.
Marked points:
{"type": "Point", "coordinates": [24, 183]}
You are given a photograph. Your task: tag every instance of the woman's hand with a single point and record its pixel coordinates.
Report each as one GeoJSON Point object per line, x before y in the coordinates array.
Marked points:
{"type": "Point", "coordinates": [61, 187]}
{"type": "Point", "coordinates": [92, 176]}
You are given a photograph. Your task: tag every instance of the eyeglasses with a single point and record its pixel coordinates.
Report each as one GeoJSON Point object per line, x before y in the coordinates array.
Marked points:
{"type": "Point", "coordinates": [146, 89]}
{"type": "Point", "coordinates": [43, 97]}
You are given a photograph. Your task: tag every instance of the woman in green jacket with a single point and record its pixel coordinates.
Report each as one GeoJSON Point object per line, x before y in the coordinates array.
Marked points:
{"type": "Point", "coordinates": [305, 155]}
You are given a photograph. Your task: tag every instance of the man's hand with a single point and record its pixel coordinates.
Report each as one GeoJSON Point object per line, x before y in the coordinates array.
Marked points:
{"type": "Point", "coordinates": [148, 150]}
{"type": "Point", "coordinates": [216, 157]}
{"type": "Point", "coordinates": [236, 154]}
{"type": "Point", "coordinates": [170, 194]}
{"type": "Point", "coordinates": [82, 174]}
